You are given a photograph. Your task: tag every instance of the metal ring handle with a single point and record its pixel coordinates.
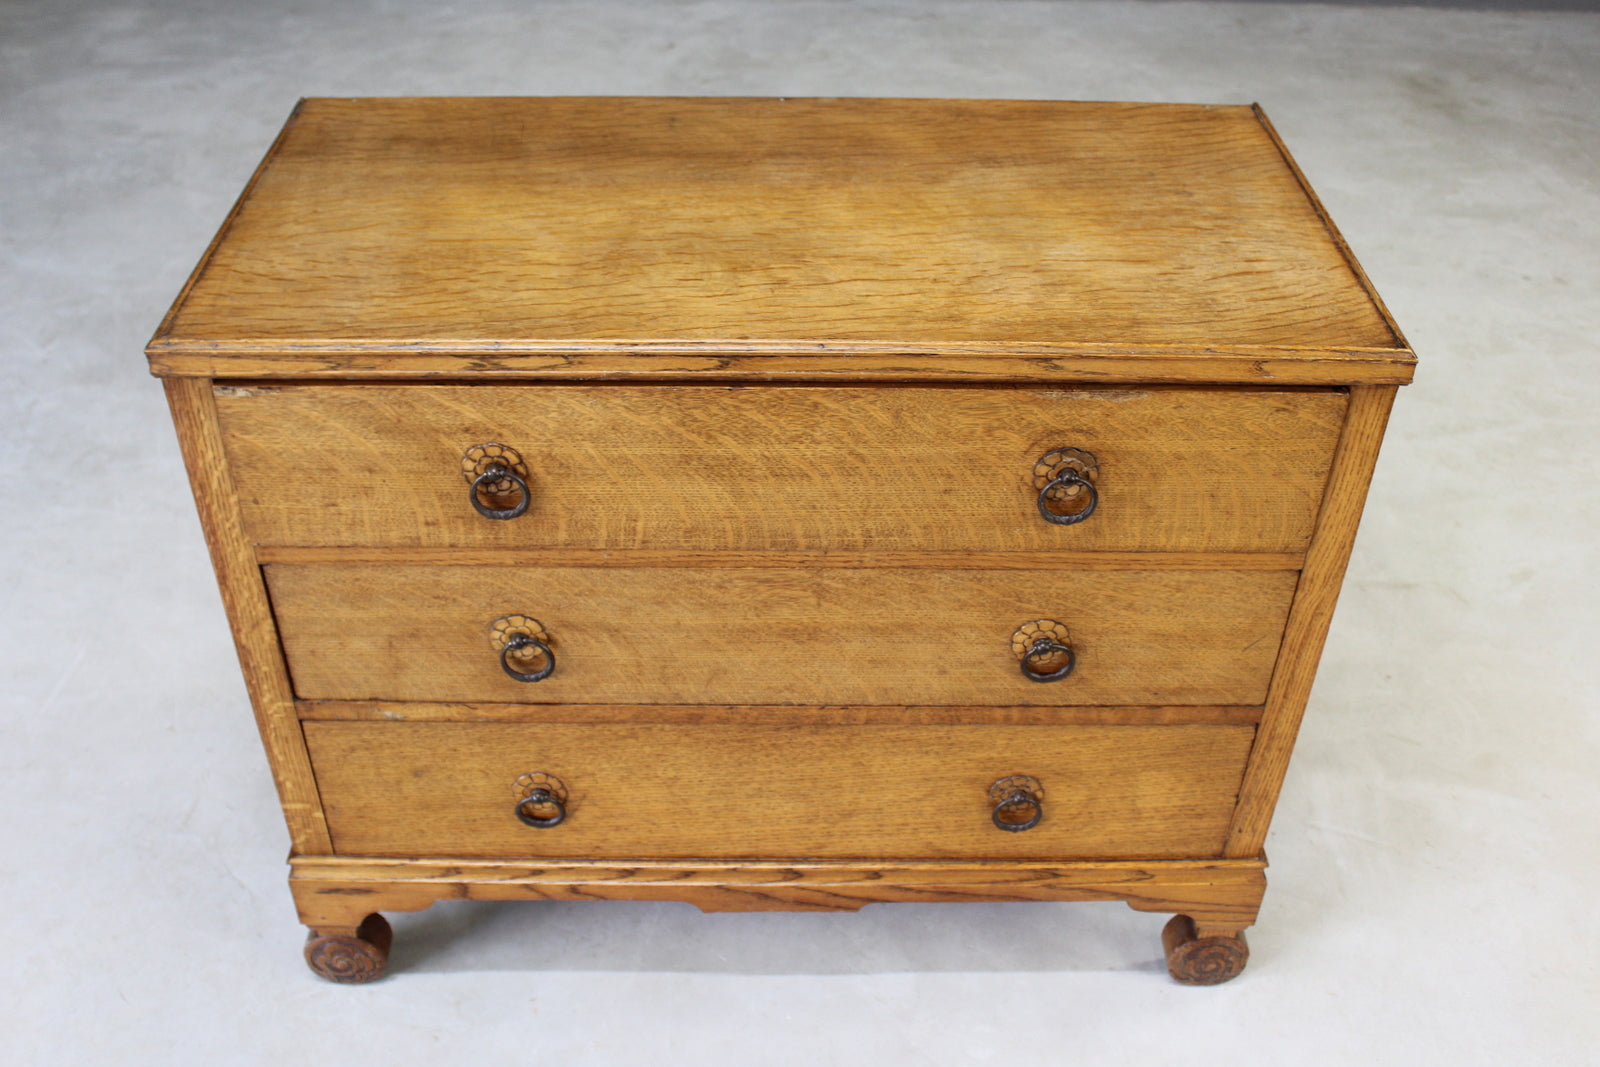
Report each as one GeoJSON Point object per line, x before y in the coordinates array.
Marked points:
{"type": "Point", "coordinates": [524, 641]}
{"type": "Point", "coordinates": [1068, 476]}
{"type": "Point", "coordinates": [1018, 798]}
{"type": "Point", "coordinates": [494, 473]}
{"type": "Point", "coordinates": [545, 796]}
{"type": "Point", "coordinates": [1044, 647]}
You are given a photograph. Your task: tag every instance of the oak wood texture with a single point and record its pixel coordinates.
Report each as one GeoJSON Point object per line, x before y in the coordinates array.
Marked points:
{"type": "Point", "coordinates": [1308, 622]}
{"type": "Point", "coordinates": [799, 363]}
{"type": "Point", "coordinates": [780, 372]}
{"type": "Point", "coordinates": [337, 893]}
{"type": "Point", "coordinates": [1333, 231]}
{"type": "Point", "coordinates": [752, 792]}
{"type": "Point", "coordinates": [701, 559]}
{"type": "Point", "coordinates": [244, 597]}
{"type": "Point", "coordinates": [779, 635]}
{"type": "Point", "coordinates": [776, 714]}
{"type": "Point", "coordinates": [781, 468]}
{"type": "Point", "coordinates": [771, 238]}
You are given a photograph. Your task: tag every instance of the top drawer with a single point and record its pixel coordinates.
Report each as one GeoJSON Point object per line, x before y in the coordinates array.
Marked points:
{"type": "Point", "coordinates": [780, 468]}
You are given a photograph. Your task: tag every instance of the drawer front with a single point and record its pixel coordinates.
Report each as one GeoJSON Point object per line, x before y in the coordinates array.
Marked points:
{"type": "Point", "coordinates": [733, 792]}
{"type": "Point", "coordinates": [778, 635]}
{"type": "Point", "coordinates": [779, 468]}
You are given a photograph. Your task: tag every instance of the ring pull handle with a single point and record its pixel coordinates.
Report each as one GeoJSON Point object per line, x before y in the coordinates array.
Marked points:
{"type": "Point", "coordinates": [1018, 803]}
{"type": "Point", "coordinates": [488, 483]}
{"type": "Point", "coordinates": [523, 644]}
{"type": "Point", "coordinates": [1065, 480]}
{"type": "Point", "coordinates": [1044, 650]}
{"type": "Point", "coordinates": [541, 800]}
{"type": "Point", "coordinates": [498, 480]}
{"type": "Point", "coordinates": [519, 644]}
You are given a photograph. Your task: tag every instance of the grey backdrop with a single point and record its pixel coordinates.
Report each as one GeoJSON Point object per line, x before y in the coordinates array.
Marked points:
{"type": "Point", "coordinates": [1435, 854]}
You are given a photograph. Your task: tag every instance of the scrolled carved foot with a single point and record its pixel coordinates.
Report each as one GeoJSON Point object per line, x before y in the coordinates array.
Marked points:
{"type": "Point", "coordinates": [1195, 960]}
{"type": "Point", "coordinates": [351, 958]}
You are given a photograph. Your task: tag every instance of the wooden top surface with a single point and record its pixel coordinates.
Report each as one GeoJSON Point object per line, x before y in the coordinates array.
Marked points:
{"type": "Point", "coordinates": [616, 238]}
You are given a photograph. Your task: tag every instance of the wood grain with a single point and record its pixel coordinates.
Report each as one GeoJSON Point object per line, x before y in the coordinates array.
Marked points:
{"type": "Point", "coordinates": [937, 227]}
{"type": "Point", "coordinates": [778, 636]}
{"type": "Point", "coordinates": [245, 598]}
{"type": "Point", "coordinates": [781, 371]}
{"type": "Point", "coordinates": [1307, 626]}
{"type": "Point", "coordinates": [334, 892]}
{"type": "Point", "coordinates": [676, 791]}
{"type": "Point", "coordinates": [699, 559]}
{"type": "Point", "coordinates": [165, 328]}
{"type": "Point", "coordinates": [779, 714]}
{"type": "Point", "coordinates": [1333, 230]}
{"type": "Point", "coordinates": [783, 468]}
{"type": "Point", "coordinates": [1038, 364]}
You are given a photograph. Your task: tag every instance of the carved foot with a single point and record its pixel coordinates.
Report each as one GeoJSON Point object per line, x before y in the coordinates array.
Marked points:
{"type": "Point", "coordinates": [358, 955]}
{"type": "Point", "coordinates": [1196, 960]}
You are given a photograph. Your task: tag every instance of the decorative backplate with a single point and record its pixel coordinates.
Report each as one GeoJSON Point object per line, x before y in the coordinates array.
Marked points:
{"type": "Point", "coordinates": [504, 630]}
{"type": "Point", "coordinates": [1054, 462]}
{"type": "Point", "coordinates": [1030, 632]}
{"type": "Point", "coordinates": [526, 784]}
{"type": "Point", "coordinates": [1066, 480]}
{"type": "Point", "coordinates": [480, 458]}
{"type": "Point", "coordinates": [1026, 783]}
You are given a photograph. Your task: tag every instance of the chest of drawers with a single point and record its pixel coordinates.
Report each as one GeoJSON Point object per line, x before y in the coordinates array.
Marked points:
{"type": "Point", "coordinates": [778, 503]}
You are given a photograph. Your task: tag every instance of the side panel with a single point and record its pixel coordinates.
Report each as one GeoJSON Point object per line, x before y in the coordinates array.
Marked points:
{"type": "Point", "coordinates": [245, 598]}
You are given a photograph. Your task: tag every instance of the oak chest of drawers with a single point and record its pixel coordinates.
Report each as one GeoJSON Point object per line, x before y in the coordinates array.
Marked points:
{"type": "Point", "coordinates": [778, 503]}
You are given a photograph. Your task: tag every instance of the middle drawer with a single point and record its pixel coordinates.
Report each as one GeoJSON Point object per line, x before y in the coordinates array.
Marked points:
{"type": "Point", "coordinates": [779, 635]}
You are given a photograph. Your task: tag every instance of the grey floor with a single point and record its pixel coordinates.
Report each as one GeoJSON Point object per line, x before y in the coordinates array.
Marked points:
{"type": "Point", "coordinates": [1436, 857]}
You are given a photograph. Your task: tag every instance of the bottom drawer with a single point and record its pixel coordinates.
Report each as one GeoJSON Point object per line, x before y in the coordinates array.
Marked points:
{"type": "Point", "coordinates": [776, 792]}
